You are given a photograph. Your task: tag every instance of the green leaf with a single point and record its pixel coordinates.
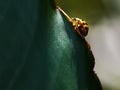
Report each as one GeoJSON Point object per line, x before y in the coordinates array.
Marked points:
{"type": "Point", "coordinates": [40, 50]}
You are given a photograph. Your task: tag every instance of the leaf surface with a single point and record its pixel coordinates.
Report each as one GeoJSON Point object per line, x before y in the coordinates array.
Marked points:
{"type": "Point", "coordinates": [39, 49]}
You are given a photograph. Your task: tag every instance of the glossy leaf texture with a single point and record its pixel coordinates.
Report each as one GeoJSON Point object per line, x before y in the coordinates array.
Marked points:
{"type": "Point", "coordinates": [39, 49]}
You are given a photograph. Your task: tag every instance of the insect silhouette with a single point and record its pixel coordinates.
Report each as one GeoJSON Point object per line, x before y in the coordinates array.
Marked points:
{"type": "Point", "coordinates": [80, 26]}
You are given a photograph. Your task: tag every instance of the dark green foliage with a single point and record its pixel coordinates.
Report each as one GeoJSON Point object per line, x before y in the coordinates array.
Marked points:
{"type": "Point", "coordinates": [39, 50]}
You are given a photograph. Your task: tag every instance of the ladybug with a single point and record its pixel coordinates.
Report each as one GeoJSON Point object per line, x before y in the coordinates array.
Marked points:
{"type": "Point", "coordinates": [80, 26]}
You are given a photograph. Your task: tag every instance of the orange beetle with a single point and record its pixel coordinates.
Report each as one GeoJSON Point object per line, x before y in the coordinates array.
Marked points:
{"type": "Point", "coordinates": [79, 25]}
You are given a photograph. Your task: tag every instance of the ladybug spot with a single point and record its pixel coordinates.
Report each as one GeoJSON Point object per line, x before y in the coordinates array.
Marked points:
{"type": "Point", "coordinates": [86, 28]}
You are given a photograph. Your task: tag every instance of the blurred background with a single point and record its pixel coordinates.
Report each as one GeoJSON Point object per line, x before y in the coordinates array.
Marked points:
{"type": "Point", "coordinates": [103, 17]}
